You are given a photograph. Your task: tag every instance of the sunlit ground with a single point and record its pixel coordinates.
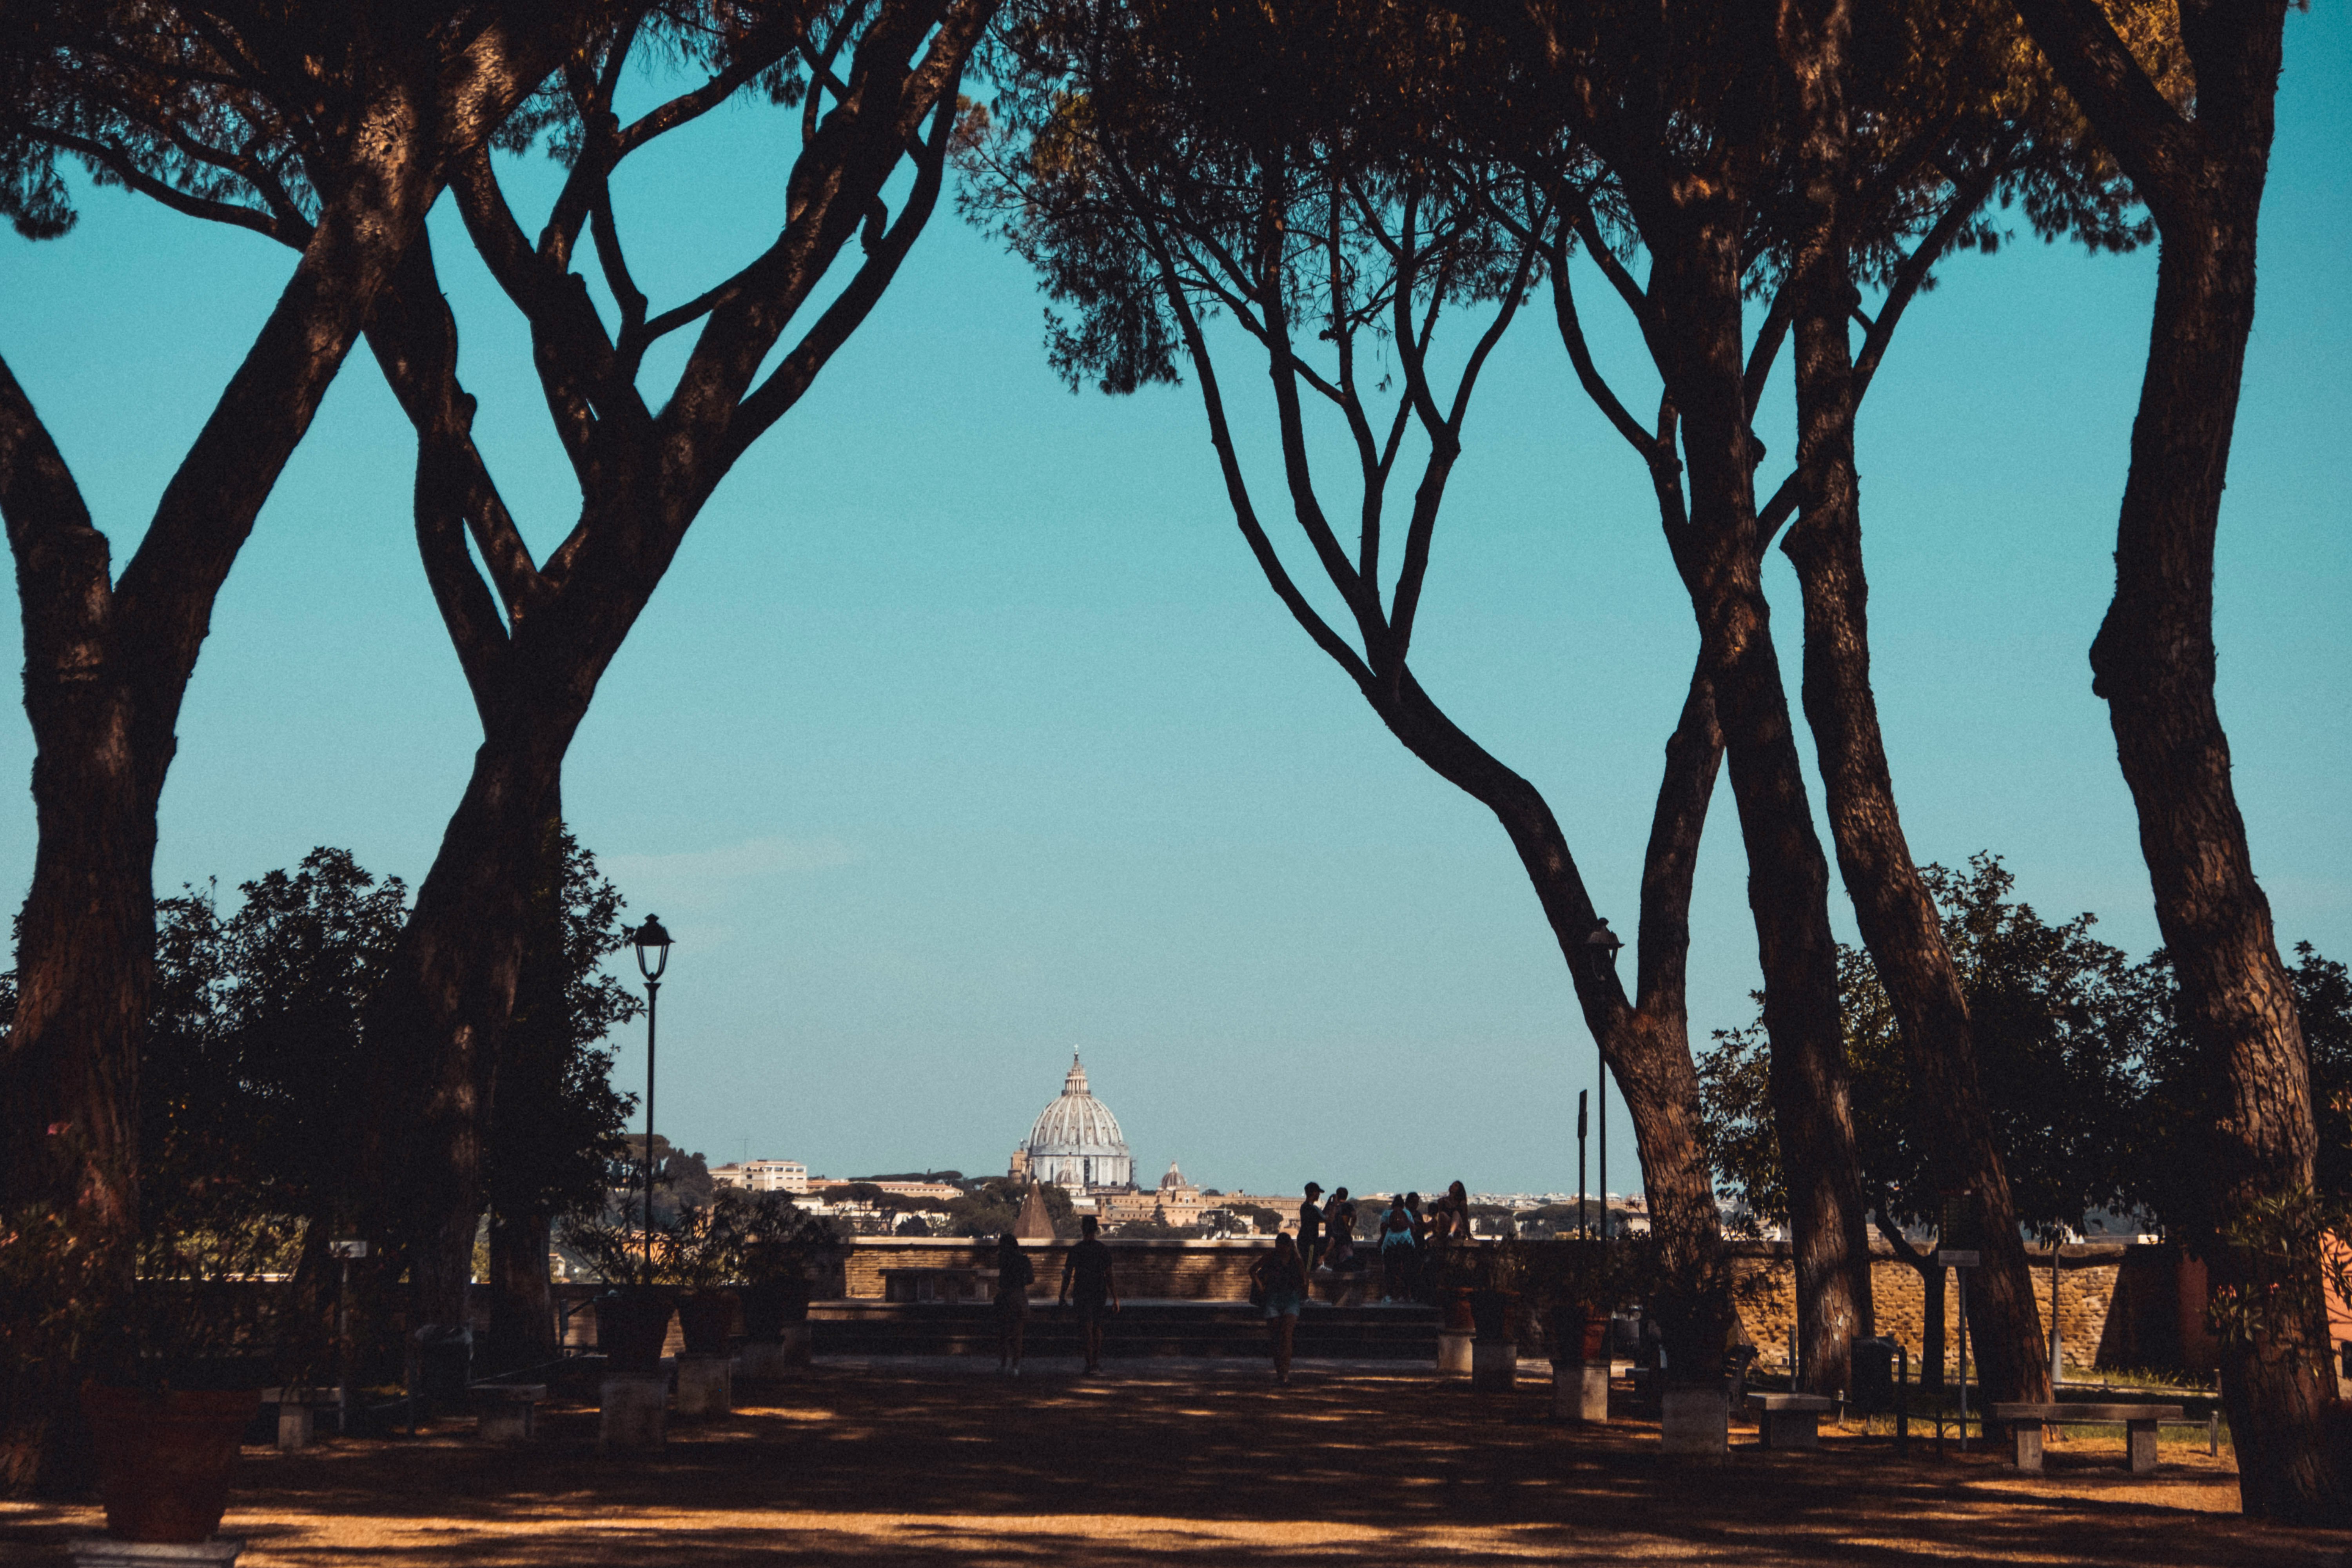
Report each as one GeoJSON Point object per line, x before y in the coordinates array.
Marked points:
{"type": "Point", "coordinates": [1156, 1464]}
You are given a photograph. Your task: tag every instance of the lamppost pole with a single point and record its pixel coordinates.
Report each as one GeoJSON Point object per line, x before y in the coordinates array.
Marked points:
{"type": "Point", "coordinates": [1605, 942]}
{"type": "Point", "coordinates": [653, 1000]}
{"type": "Point", "coordinates": [653, 945]}
{"type": "Point", "coordinates": [1583, 1223]}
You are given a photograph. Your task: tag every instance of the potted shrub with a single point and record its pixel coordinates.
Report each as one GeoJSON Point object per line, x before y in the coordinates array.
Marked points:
{"type": "Point", "coordinates": [777, 1250]}
{"type": "Point", "coordinates": [694, 1252]}
{"type": "Point", "coordinates": [633, 1314]}
{"type": "Point", "coordinates": [182, 1376]}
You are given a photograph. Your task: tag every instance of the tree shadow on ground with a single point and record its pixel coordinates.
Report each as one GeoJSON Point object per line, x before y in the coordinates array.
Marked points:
{"type": "Point", "coordinates": [1143, 1467]}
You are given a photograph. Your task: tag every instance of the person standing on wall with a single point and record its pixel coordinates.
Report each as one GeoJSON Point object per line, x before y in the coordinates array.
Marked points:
{"type": "Point", "coordinates": [1311, 1227]}
{"type": "Point", "coordinates": [1086, 1282]}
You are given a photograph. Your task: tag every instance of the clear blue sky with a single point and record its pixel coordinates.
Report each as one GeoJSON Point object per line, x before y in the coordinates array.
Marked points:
{"type": "Point", "coordinates": [964, 731]}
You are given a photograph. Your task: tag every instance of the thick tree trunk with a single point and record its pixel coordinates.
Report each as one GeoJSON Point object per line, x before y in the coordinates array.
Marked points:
{"type": "Point", "coordinates": [1898, 918]}
{"type": "Point", "coordinates": [2154, 660]}
{"type": "Point", "coordinates": [1695, 286]}
{"type": "Point", "coordinates": [522, 1307]}
{"type": "Point", "coordinates": [106, 668]}
{"type": "Point", "coordinates": [443, 1010]}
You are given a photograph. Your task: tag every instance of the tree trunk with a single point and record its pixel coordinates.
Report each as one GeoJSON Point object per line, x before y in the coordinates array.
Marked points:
{"type": "Point", "coordinates": [1696, 287]}
{"type": "Point", "coordinates": [1646, 1044]}
{"type": "Point", "coordinates": [1931, 1347]}
{"type": "Point", "coordinates": [107, 665]}
{"type": "Point", "coordinates": [442, 1012]}
{"type": "Point", "coordinates": [522, 1307]}
{"type": "Point", "coordinates": [2153, 661]}
{"type": "Point", "coordinates": [1899, 923]}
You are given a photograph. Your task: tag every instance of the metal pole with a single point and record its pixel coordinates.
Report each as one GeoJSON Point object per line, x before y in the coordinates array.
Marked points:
{"type": "Point", "coordinates": [1601, 1096]}
{"type": "Point", "coordinates": [1964, 1358]}
{"type": "Point", "coordinates": [1903, 1398]}
{"type": "Point", "coordinates": [2057, 1362]}
{"type": "Point", "coordinates": [653, 996]}
{"type": "Point", "coordinates": [1583, 1223]}
{"type": "Point", "coordinates": [343, 1352]}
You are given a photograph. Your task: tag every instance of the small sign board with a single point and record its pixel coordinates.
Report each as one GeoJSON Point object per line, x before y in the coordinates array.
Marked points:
{"type": "Point", "coordinates": [349, 1248]}
{"type": "Point", "coordinates": [1952, 1259]}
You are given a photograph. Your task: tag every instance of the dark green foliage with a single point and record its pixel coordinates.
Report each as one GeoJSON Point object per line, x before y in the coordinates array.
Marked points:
{"type": "Point", "coordinates": [2084, 1071]}
{"type": "Point", "coordinates": [991, 1207]}
{"type": "Point", "coordinates": [735, 1238]}
{"type": "Point", "coordinates": [255, 1066]}
{"type": "Point", "coordinates": [255, 1060]}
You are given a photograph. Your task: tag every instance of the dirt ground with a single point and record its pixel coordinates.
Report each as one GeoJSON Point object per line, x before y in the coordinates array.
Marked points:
{"type": "Point", "coordinates": [1152, 1464]}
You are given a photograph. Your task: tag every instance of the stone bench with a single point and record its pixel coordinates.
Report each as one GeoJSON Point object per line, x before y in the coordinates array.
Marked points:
{"type": "Point", "coordinates": [1791, 1420]}
{"type": "Point", "coordinates": [2026, 1423]}
{"type": "Point", "coordinates": [507, 1411]}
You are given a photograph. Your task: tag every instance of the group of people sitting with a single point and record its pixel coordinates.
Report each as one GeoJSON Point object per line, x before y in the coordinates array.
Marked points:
{"type": "Point", "coordinates": [1406, 1236]}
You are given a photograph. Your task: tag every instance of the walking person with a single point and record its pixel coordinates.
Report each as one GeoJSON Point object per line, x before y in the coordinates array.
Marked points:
{"type": "Point", "coordinates": [1400, 1254]}
{"type": "Point", "coordinates": [1311, 1227]}
{"type": "Point", "coordinates": [1013, 1273]}
{"type": "Point", "coordinates": [1280, 1277]}
{"type": "Point", "coordinates": [1087, 1283]}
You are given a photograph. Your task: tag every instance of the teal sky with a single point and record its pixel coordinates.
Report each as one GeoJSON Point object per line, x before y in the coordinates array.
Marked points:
{"type": "Point", "coordinates": [964, 731]}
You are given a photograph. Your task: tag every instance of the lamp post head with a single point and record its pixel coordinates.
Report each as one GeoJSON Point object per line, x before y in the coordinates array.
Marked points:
{"type": "Point", "coordinates": [653, 948]}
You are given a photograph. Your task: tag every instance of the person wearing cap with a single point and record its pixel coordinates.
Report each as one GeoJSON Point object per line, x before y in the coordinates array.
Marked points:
{"type": "Point", "coordinates": [1311, 1227]}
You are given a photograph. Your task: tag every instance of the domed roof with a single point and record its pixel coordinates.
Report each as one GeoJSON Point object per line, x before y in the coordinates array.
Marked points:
{"type": "Point", "coordinates": [1077, 1123]}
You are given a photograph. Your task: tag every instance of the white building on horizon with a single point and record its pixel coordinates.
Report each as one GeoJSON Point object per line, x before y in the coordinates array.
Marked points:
{"type": "Point", "coordinates": [763, 1175]}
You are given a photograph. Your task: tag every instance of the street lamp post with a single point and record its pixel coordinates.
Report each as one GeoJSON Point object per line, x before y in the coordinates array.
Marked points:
{"type": "Point", "coordinates": [653, 957]}
{"type": "Point", "coordinates": [1606, 943]}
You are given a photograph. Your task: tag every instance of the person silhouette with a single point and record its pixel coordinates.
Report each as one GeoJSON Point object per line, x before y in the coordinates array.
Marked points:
{"type": "Point", "coordinates": [1013, 1273]}
{"type": "Point", "coordinates": [1281, 1278]}
{"type": "Point", "coordinates": [1087, 1268]}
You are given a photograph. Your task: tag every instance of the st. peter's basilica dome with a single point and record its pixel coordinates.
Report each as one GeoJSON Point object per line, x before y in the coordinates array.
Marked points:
{"type": "Point", "coordinates": [1077, 1143]}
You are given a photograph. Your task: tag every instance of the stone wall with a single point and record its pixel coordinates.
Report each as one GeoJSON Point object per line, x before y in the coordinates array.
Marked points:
{"type": "Point", "coordinates": [2087, 1277]}
{"type": "Point", "coordinates": [1161, 1269]}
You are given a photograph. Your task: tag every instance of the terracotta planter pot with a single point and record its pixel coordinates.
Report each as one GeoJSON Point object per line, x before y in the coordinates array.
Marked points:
{"type": "Point", "coordinates": [772, 1307]}
{"type": "Point", "coordinates": [164, 1459]}
{"type": "Point", "coordinates": [1580, 1335]}
{"type": "Point", "coordinates": [703, 1318]}
{"type": "Point", "coordinates": [1458, 1317]}
{"type": "Point", "coordinates": [631, 1324]}
{"type": "Point", "coordinates": [1496, 1315]}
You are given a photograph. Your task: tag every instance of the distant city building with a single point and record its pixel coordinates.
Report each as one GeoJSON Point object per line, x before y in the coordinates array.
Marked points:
{"type": "Point", "coordinates": [1075, 1142]}
{"type": "Point", "coordinates": [763, 1175]}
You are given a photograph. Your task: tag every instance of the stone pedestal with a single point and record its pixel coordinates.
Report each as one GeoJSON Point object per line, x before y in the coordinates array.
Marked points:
{"type": "Point", "coordinates": [294, 1417]}
{"type": "Point", "coordinates": [1695, 1422]}
{"type": "Point", "coordinates": [507, 1413]}
{"type": "Point", "coordinates": [769, 1359]}
{"type": "Point", "coordinates": [105, 1552]}
{"type": "Point", "coordinates": [704, 1385]}
{"type": "Point", "coordinates": [1493, 1366]}
{"type": "Point", "coordinates": [1454, 1352]}
{"type": "Point", "coordinates": [1579, 1391]}
{"type": "Point", "coordinates": [635, 1412]}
